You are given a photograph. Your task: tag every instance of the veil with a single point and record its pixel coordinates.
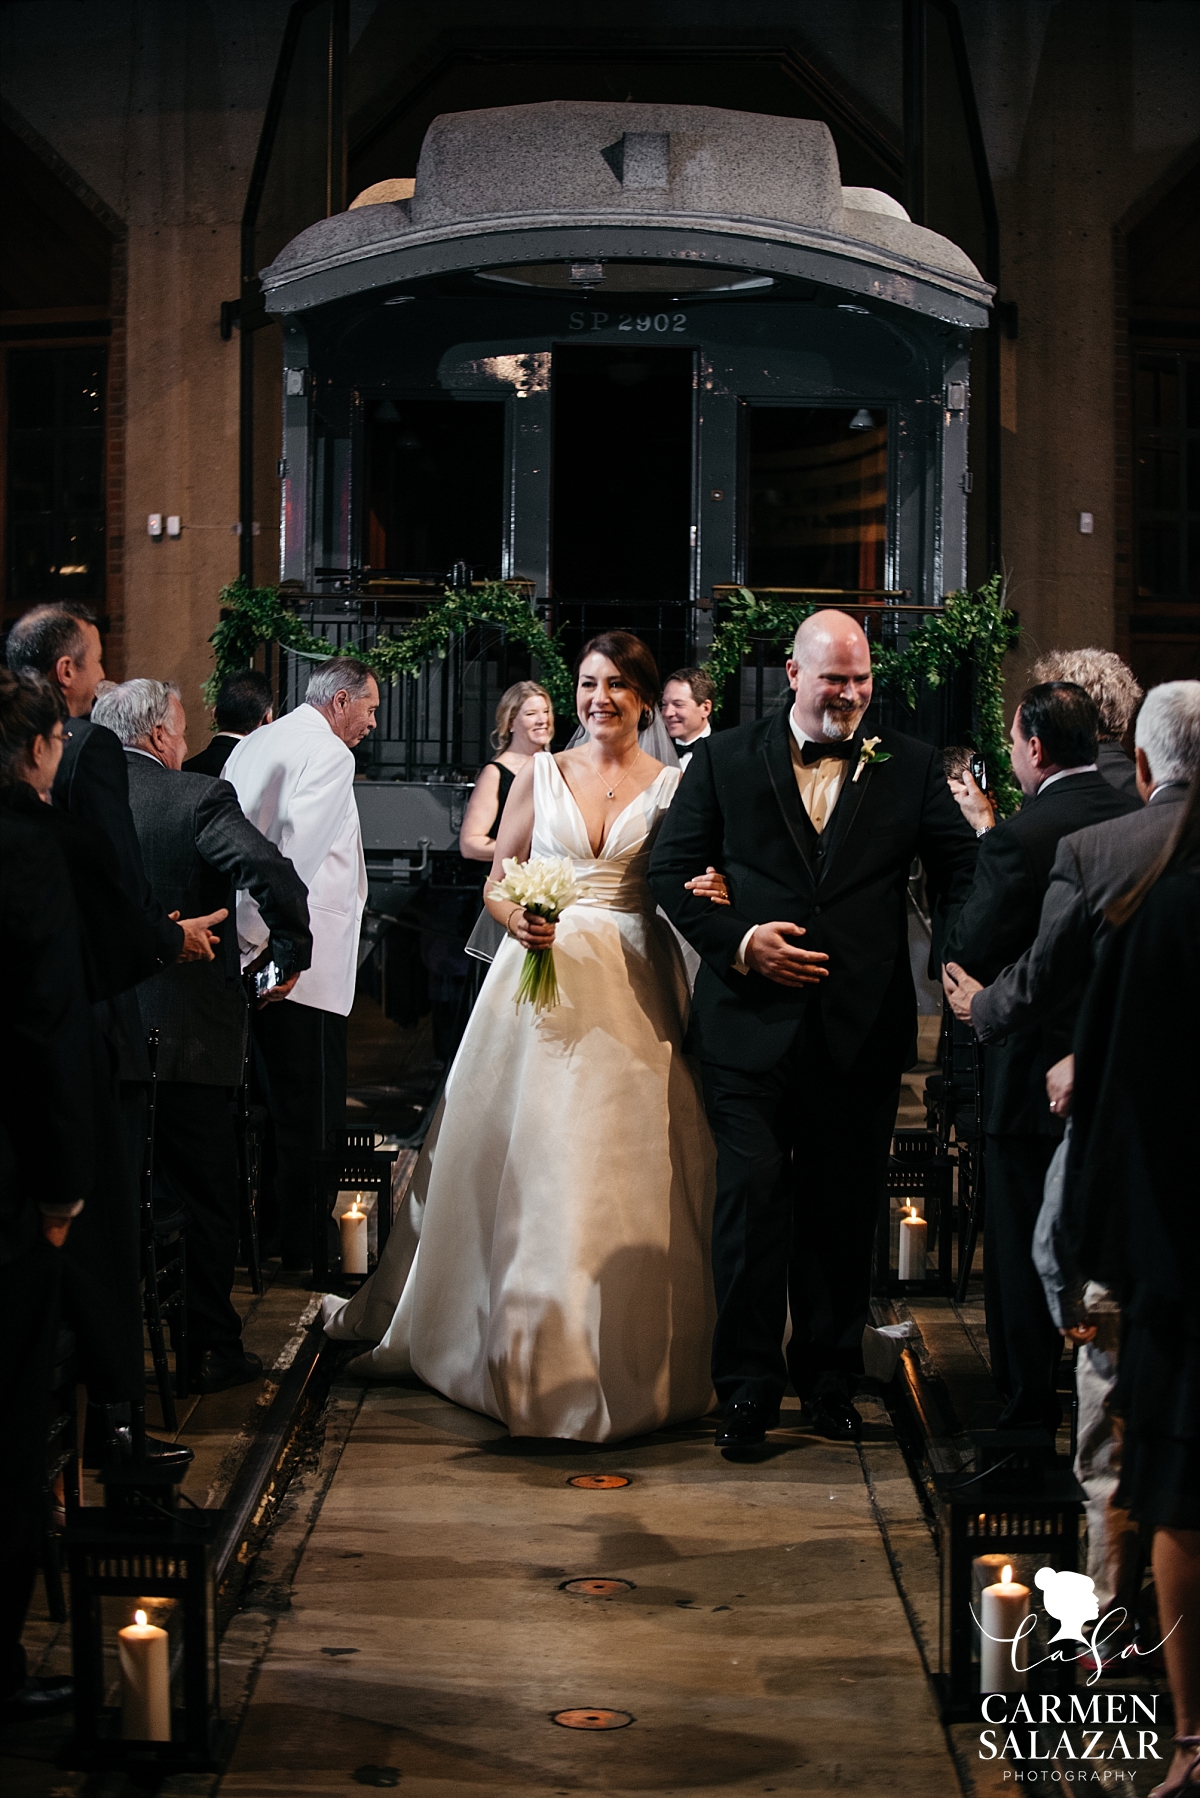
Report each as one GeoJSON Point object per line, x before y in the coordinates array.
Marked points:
{"type": "Point", "coordinates": [653, 739]}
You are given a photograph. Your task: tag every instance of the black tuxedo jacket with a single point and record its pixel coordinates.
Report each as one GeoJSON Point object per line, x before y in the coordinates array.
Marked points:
{"type": "Point", "coordinates": [1000, 921]}
{"type": "Point", "coordinates": [212, 758]}
{"type": "Point", "coordinates": [738, 808]}
{"type": "Point", "coordinates": [199, 850]}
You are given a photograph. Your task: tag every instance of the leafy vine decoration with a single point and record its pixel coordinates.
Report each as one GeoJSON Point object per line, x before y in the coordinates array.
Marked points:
{"type": "Point", "coordinates": [257, 615]}
{"type": "Point", "coordinates": [976, 629]}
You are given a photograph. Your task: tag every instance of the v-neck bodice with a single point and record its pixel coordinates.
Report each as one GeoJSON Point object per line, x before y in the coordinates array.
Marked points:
{"type": "Point", "coordinates": [616, 878]}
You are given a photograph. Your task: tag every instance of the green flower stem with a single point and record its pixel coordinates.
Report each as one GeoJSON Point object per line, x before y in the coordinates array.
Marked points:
{"type": "Point", "coordinates": [538, 985]}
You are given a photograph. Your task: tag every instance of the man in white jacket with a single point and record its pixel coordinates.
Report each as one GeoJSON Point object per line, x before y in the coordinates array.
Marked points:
{"type": "Point", "coordinates": [295, 782]}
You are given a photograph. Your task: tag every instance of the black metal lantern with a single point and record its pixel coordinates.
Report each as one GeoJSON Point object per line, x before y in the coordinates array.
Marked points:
{"type": "Point", "coordinates": [354, 1166]}
{"type": "Point", "coordinates": [998, 1527]}
{"type": "Point", "coordinates": [143, 1553]}
{"type": "Point", "coordinates": [920, 1186]}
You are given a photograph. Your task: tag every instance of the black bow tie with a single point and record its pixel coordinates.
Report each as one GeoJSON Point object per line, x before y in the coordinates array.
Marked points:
{"type": "Point", "coordinates": [820, 752]}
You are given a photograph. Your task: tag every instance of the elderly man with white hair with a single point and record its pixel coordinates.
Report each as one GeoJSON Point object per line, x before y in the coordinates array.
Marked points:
{"type": "Point", "coordinates": [1092, 869]}
{"type": "Point", "coordinates": [198, 851]}
{"type": "Point", "coordinates": [295, 781]}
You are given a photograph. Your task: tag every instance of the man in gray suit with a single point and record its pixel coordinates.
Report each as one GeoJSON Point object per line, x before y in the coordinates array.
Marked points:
{"type": "Point", "coordinates": [1092, 869]}
{"type": "Point", "coordinates": [195, 841]}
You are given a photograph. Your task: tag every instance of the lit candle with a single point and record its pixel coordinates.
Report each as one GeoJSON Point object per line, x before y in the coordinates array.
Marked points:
{"type": "Point", "coordinates": [145, 1681]}
{"type": "Point", "coordinates": [1004, 1608]}
{"type": "Point", "coordinates": [913, 1233]}
{"type": "Point", "coordinates": [353, 1226]}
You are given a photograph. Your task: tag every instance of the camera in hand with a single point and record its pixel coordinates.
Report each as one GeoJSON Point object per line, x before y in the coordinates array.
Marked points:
{"type": "Point", "coordinates": [978, 769]}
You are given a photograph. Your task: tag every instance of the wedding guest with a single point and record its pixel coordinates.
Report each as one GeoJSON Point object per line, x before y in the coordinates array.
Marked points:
{"type": "Point", "coordinates": [803, 1012]}
{"type": "Point", "coordinates": [294, 780]}
{"type": "Point", "coordinates": [47, 1154]}
{"type": "Point", "coordinates": [1054, 733]}
{"type": "Point", "coordinates": [91, 788]}
{"type": "Point", "coordinates": [524, 727]}
{"type": "Point", "coordinates": [199, 852]}
{"type": "Point", "coordinates": [1091, 870]}
{"type": "Point", "coordinates": [687, 704]}
{"type": "Point", "coordinates": [1131, 1219]}
{"type": "Point", "coordinates": [244, 701]}
{"type": "Point", "coordinates": [1113, 689]}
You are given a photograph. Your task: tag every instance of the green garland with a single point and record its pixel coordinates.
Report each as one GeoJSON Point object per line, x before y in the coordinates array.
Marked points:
{"type": "Point", "coordinates": [260, 615]}
{"type": "Point", "coordinates": [970, 628]}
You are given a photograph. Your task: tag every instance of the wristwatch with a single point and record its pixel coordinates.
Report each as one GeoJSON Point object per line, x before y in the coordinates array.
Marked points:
{"type": "Point", "coordinates": [983, 830]}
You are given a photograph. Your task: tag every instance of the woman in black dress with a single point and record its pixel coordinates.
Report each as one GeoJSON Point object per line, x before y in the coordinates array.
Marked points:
{"type": "Point", "coordinates": [1133, 1215]}
{"type": "Point", "coordinates": [524, 727]}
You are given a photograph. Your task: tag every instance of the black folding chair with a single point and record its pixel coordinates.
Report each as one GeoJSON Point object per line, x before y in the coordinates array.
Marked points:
{"type": "Point", "coordinates": [164, 1269]}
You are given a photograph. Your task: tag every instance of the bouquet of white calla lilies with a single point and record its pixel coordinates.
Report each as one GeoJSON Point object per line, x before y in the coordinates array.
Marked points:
{"type": "Point", "coordinates": [545, 884]}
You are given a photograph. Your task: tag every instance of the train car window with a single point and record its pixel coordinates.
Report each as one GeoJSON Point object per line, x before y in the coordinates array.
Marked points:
{"type": "Point", "coordinates": [435, 486]}
{"type": "Point", "coordinates": [622, 483]}
{"type": "Point", "coordinates": [817, 497]}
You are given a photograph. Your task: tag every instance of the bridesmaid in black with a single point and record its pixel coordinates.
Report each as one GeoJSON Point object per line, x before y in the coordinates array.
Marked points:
{"type": "Point", "coordinates": [1133, 1219]}
{"type": "Point", "coordinates": [524, 727]}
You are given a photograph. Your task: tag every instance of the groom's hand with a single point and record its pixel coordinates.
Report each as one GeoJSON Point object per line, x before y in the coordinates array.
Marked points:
{"type": "Point", "coordinates": [770, 954]}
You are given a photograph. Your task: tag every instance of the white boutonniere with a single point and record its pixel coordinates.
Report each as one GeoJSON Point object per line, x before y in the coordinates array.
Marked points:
{"type": "Point", "coordinates": [869, 753]}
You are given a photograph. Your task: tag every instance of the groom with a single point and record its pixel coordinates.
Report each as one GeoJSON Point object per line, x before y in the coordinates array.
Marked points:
{"type": "Point", "coordinates": [804, 1013]}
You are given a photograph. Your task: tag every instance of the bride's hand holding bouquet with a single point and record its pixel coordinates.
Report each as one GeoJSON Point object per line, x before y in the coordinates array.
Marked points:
{"type": "Point", "coordinates": [541, 890]}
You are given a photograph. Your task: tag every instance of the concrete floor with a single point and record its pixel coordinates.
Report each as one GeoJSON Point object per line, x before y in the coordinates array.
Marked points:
{"type": "Point", "coordinates": [764, 1646]}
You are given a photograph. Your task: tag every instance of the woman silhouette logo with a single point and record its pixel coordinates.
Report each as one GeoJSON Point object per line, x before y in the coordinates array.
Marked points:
{"type": "Point", "coordinates": [1070, 1598]}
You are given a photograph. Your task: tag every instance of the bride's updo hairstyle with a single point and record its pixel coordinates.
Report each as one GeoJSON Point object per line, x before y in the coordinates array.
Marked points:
{"type": "Point", "coordinates": [632, 660]}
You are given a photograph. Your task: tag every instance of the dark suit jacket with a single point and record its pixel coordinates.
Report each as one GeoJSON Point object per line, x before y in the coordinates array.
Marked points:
{"type": "Point", "coordinates": [92, 786]}
{"type": "Point", "coordinates": [199, 850]}
{"type": "Point", "coordinates": [1000, 921]}
{"type": "Point", "coordinates": [1117, 768]}
{"type": "Point", "coordinates": [738, 808]}
{"type": "Point", "coordinates": [1091, 869]}
{"type": "Point", "coordinates": [46, 1137]}
{"type": "Point", "coordinates": [212, 758]}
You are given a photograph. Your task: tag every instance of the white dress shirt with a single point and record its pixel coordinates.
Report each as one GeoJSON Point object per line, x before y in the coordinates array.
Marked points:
{"type": "Point", "coordinates": [684, 750]}
{"type": "Point", "coordinates": [1066, 773]}
{"type": "Point", "coordinates": [295, 782]}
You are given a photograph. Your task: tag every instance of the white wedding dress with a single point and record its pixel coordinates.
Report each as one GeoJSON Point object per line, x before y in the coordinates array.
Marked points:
{"type": "Point", "coordinates": [563, 1203]}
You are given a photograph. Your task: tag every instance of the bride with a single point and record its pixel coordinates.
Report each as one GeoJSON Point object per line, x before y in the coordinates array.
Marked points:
{"type": "Point", "coordinates": [562, 1281]}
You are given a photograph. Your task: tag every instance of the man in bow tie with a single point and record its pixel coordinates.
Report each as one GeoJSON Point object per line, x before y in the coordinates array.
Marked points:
{"type": "Point", "coordinates": [804, 1014]}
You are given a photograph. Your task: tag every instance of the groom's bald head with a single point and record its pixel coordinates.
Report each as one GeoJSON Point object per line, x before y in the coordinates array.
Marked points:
{"type": "Point", "coordinates": [830, 673]}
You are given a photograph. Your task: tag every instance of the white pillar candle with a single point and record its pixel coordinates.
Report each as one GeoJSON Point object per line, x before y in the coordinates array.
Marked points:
{"type": "Point", "coordinates": [1004, 1607]}
{"type": "Point", "coordinates": [145, 1681]}
{"type": "Point", "coordinates": [353, 1226]}
{"type": "Point", "coordinates": [914, 1232]}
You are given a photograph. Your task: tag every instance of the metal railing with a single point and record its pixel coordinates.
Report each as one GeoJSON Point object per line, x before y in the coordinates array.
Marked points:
{"type": "Point", "coordinates": [437, 725]}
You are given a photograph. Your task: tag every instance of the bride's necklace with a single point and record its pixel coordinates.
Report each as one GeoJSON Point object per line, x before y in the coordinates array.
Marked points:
{"type": "Point", "coordinates": [611, 792]}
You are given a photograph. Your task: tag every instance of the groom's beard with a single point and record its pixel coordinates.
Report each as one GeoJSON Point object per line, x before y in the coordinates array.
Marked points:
{"type": "Point", "coordinates": [840, 720]}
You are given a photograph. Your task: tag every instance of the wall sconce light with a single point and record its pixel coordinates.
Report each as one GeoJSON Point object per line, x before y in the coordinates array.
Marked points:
{"type": "Point", "coordinates": [862, 420]}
